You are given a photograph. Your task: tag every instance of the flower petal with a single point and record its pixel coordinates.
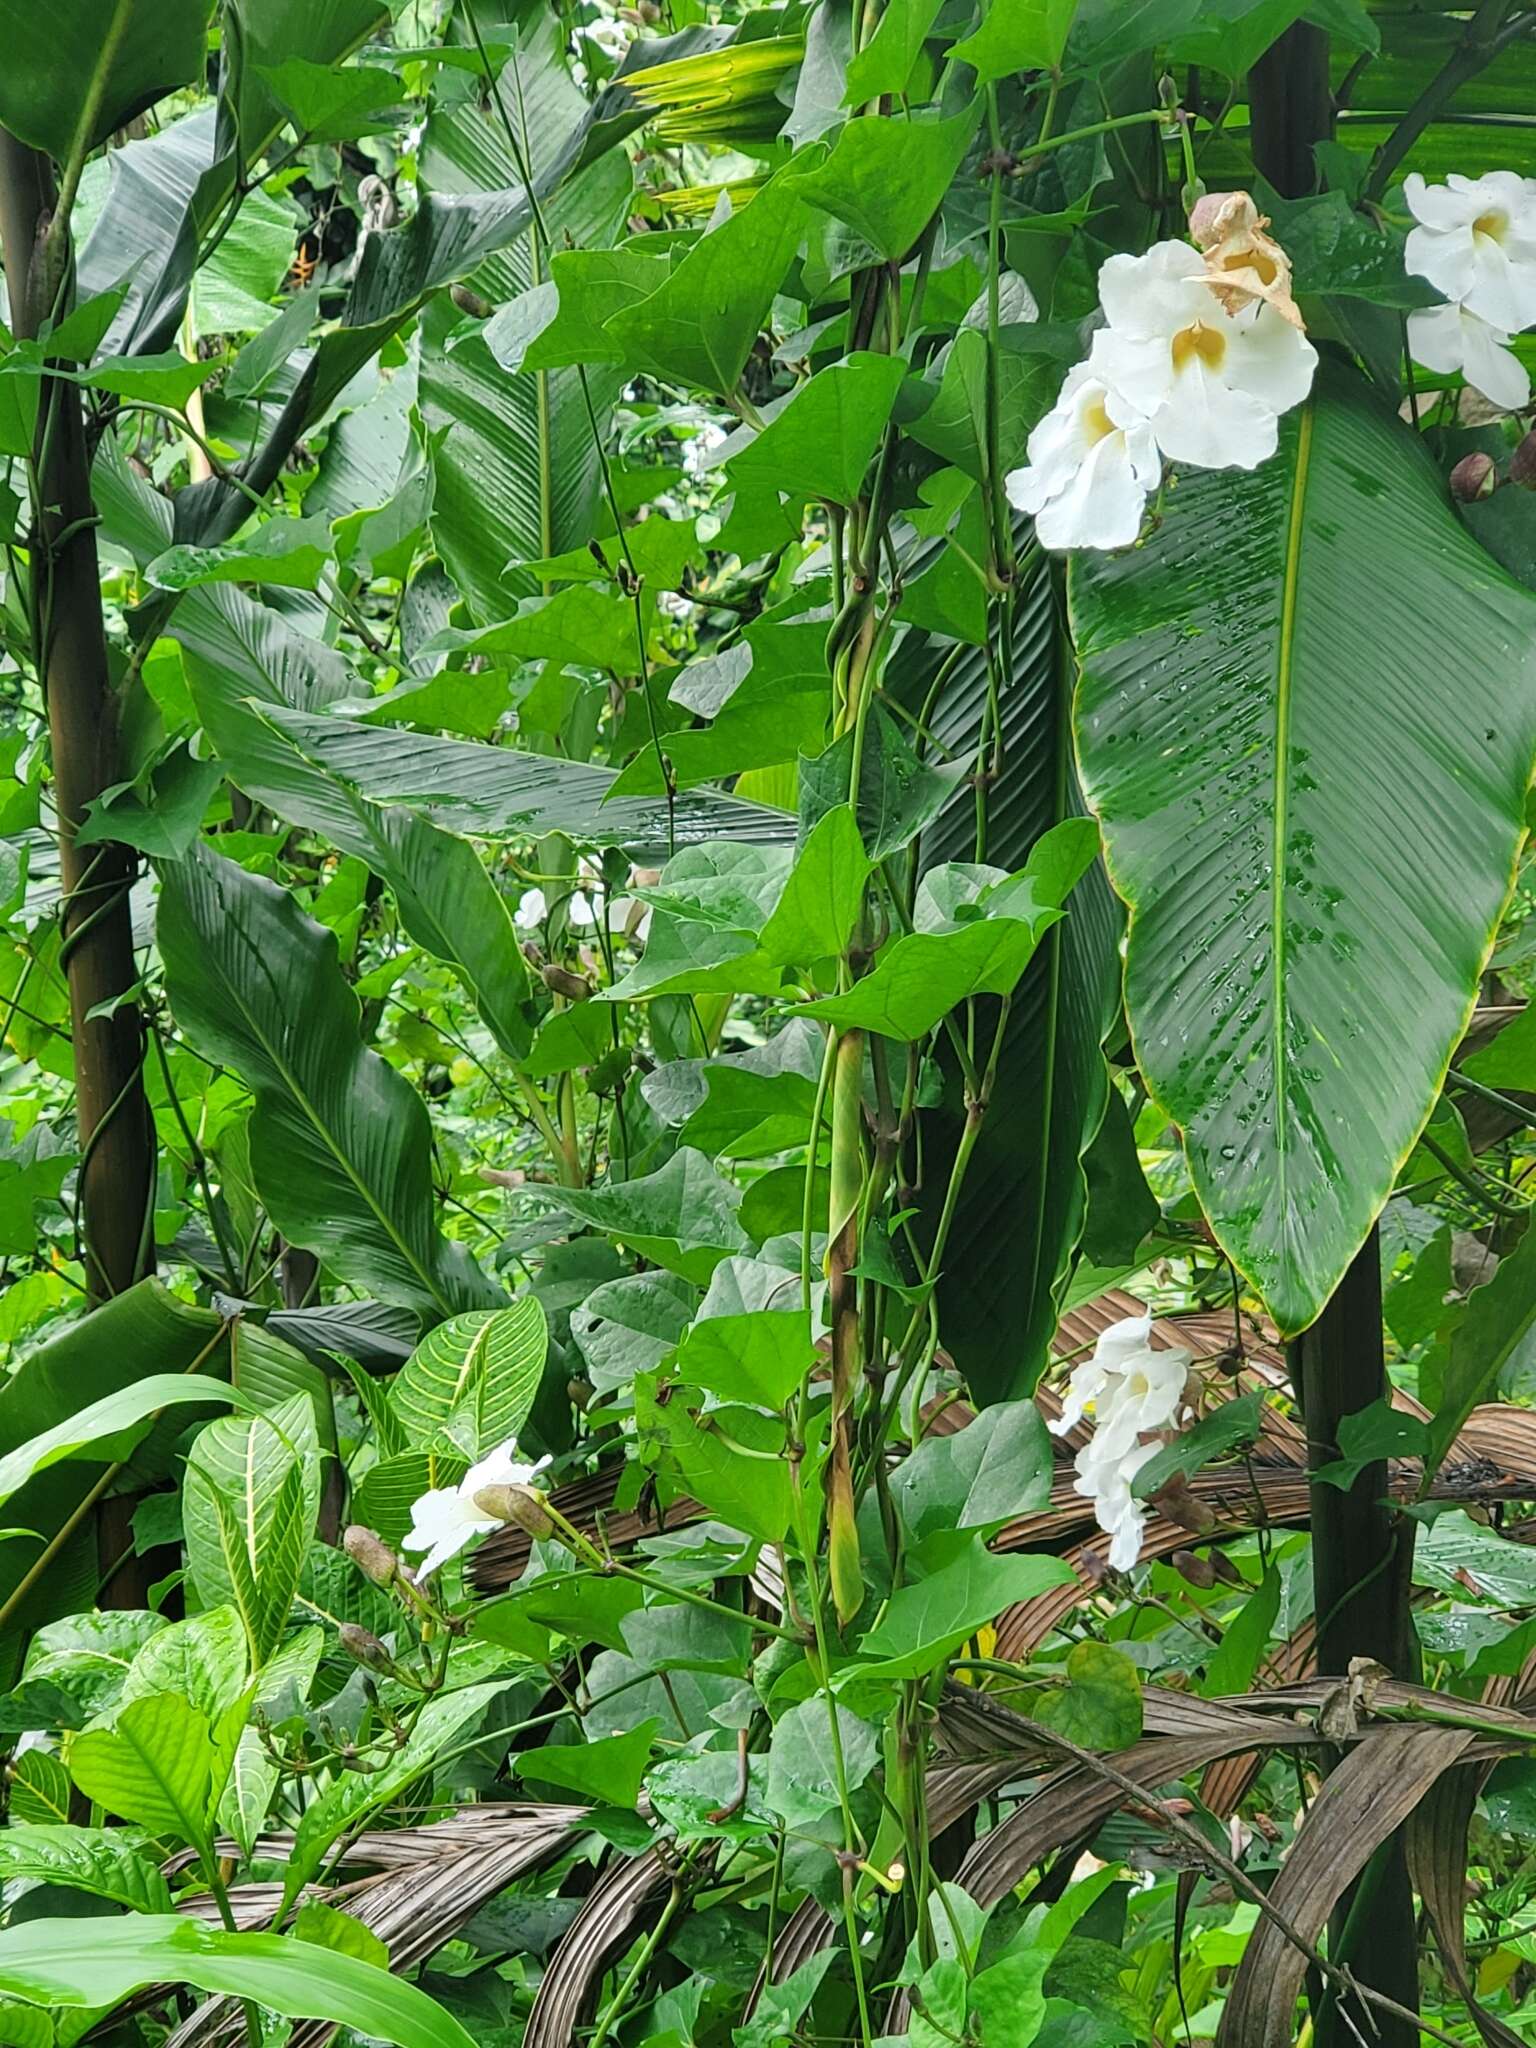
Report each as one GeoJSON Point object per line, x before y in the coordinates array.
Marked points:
{"type": "Point", "coordinates": [1150, 296]}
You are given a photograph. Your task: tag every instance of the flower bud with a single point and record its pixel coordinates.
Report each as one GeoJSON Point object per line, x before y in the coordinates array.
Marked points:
{"type": "Point", "coordinates": [364, 1647]}
{"type": "Point", "coordinates": [1475, 476]}
{"type": "Point", "coordinates": [470, 302]}
{"type": "Point", "coordinates": [523, 1506]}
{"type": "Point", "coordinates": [1522, 464]}
{"type": "Point", "coordinates": [1197, 1571]}
{"type": "Point", "coordinates": [372, 1556]}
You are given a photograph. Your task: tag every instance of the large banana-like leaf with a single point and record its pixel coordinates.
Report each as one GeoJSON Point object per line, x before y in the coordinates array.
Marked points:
{"type": "Point", "coordinates": [1023, 1197]}
{"type": "Point", "coordinates": [240, 655]}
{"type": "Point", "coordinates": [340, 1143]}
{"type": "Point", "coordinates": [78, 69]}
{"type": "Point", "coordinates": [515, 458]}
{"type": "Point", "coordinates": [147, 1330]}
{"type": "Point", "coordinates": [1306, 721]}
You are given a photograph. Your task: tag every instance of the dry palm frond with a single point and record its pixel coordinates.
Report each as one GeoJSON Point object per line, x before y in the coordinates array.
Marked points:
{"type": "Point", "coordinates": [425, 1884]}
{"type": "Point", "coordinates": [609, 1915]}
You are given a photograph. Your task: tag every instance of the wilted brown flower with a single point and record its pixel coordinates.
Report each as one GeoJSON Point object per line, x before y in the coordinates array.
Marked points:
{"type": "Point", "coordinates": [1244, 263]}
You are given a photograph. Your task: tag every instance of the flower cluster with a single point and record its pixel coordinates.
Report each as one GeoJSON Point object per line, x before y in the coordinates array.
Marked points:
{"type": "Point", "coordinates": [1133, 1391]}
{"type": "Point", "coordinates": [447, 1518]}
{"type": "Point", "coordinates": [1201, 352]}
{"type": "Point", "coordinates": [1476, 243]}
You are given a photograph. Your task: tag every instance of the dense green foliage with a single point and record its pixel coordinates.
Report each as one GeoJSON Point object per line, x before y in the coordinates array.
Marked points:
{"type": "Point", "coordinates": [609, 973]}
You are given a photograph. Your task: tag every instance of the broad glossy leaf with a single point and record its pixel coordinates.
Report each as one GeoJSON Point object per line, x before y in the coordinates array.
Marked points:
{"type": "Point", "coordinates": [340, 1143]}
{"type": "Point", "coordinates": [887, 60]}
{"type": "Point", "coordinates": [886, 177]}
{"type": "Point", "coordinates": [975, 930]}
{"type": "Point", "coordinates": [610, 1769]}
{"type": "Point", "coordinates": [389, 1488]}
{"type": "Point", "coordinates": [699, 326]}
{"type": "Point", "coordinates": [683, 1216]}
{"type": "Point", "coordinates": [76, 71]}
{"type": "Point", "coordinates": [515, 466]}
{"type": "Point", "coordinates": [751, 1338]}
{"type": "Point", "coordinates": [474, 1377]}
{"type": "Point", "coordinates": [732, 1459]}
{"type": "Point", "coordinates": [1302, 710]}
{"type": "Point", "coordinates": [154, 1766]}
{"type": "Point", "coordinates": [100, 1963]}
{"type": "Point", "coordinates": [997, 1467]}
{"type": "Point", "coordinates": [147, 1330]}
{"type": "Point", "coordinates": [1017, 35]}
{"type": "Point", "coordinates": [498, 793]}
{"type": "Point", "coordinates": [804, 1766]}
{"type": "Point", "coordinates": [628, 1326]}
{"type": "Point", "coordinates": [1463, 1366]}
{"type": "Point", "coordinates": [111, 1425]}
{"type": "Point", "coordinates": [289, 552]}
{"type": "Point", "coordinates": [101, 1861]}
{"type": "Point", "coordinates": [1100, 1705]}
{"type": "Point", "coordinates": [250, 1499]}
{"type": "Point", "coordinates": [821, 440]}
{"type": "Point", "coordinates": [924, 1622]}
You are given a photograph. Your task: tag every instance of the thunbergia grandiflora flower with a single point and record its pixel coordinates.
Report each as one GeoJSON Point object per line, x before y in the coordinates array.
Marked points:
{"type": "Point", "coordinates": [1201, 352]}
{"type": "Point", "coordinates": [1475, 242]}
{"type": "Point", "coordinates": [1133, 1391]}
{"type": "Point", "coordinates": [445, 1519]}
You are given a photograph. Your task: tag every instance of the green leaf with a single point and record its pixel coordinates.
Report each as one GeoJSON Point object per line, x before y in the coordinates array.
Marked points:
{"type": "Point", "coordinates": [101, 1962]}
{"type": "Point", "coordinates": [923, 1623]}
{"type": "Point", "coordinates": [609, 1770]}
{"type": "Point", "coordinates": [289, 552]}
{"type": "Point", "coordinates": [700, 325]}
{"type": "Point", "coordinates": [1297, 1038]}
{"type": "Point", "coordinates": [1235, 1662]}
{"type": "Point", "coordinates": [1224, 1430]}
{"type": "Point", "coordinates": [1463, 1366]}
{"type": "Point", "coordinates": [112, 1425]}
{"type": "Point", "coordinates": [204, 1659]}
{"type": "Point", "coordinates": [997, 1467]}
{"type": "Point", "coordinates": [1100, 1705]}
{"type": "Point", "coordinates": [886, 177]}
{"type": "Point", "coordinates": [474, 1377]}
{"type": "Point", "coordinates": [388, 1489]}
{"type": "Point", "coordinates": [820, 441]}
{"type": "Point", "coordinates": [628, 1326]}
{"type": "Point", "coordinates": [887, 61]}
{"type": "Point", "coordinates": [251, 1497]}
{"type": "Point", "coordinates": [353, 1796]}
{"type": "Point", "coordinates": [155, 1766]}
{"type": "Point", "coordinates": [78, 71]}
{"type": "Point", "coordinates": [751, 1339]}
{"type": "Point", "coordinates": [730, 1459]}
{"type": "Point", "coordinates": [803, 1765]}
{"type": "Point", "coordinates": [334, 104]}
{"type": "Point", "coordinates": [340, 1144]}
{"type": "Point", "coordinates": [976, 928]}
{"type": "Point", "coordinates": [101, 1861]}
{"type": "Point", "coordinates": [1508, 1061]}
{"type": "Point", "coordinates": [814, 917]}
{"type": "Point", "coordinates": [1017, 35]}
{"type": "Point", "coordinates": [682, 1217]}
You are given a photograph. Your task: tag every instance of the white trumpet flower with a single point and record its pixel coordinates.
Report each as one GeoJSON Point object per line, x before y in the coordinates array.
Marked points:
{"type": "Point", "coordinates": [1211, 383]}
{"type": "Point", "coordinates": [1476, 242]}
{"type": "Point", "coordinates": [446, 1518]}
{"type": "Point", "coordinates": [1453, 337]}
{"type": "Point", "coordinates": [1092, 464]}
{"type": "Point", "coordinates": [1133, 1390]}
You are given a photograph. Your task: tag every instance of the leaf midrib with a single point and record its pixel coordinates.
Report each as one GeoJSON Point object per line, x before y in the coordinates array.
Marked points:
{"type": "Point", "coordinates": [1284, 680]}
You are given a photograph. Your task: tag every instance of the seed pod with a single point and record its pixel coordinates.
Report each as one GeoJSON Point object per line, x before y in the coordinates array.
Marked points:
{"type": "Point", "coordinates": [523, 1506]}
{"type": "Point", "coordinates": [564, 983]}
{"type": "Point", "coordinates": [1475, 476]}
{"type": "Point", "coordinates": [372, 1556]}
{"type": "Point", "coordinates": [364, 1647]}
{"type": "Point", "coordinates": [1522, 464]}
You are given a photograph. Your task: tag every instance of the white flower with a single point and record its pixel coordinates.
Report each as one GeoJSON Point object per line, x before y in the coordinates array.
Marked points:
{"type": "Point", "coordinates": [1476, 242]}
{"type": "Point", "coordinates": [445, 1519]}
{"type": "Point", "coordinates": [1212, 383]}
{"type": "Point", "coordinates": [531, 910]}
{"type": "Point", "coordinates": [612, 37]}
{"type": "Point", "coordinates": [1133, 1390]}
{"type": "Point", "coordinates": [1455, 338]}
{"type": "Point", "coordinates": [1092, 462]}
